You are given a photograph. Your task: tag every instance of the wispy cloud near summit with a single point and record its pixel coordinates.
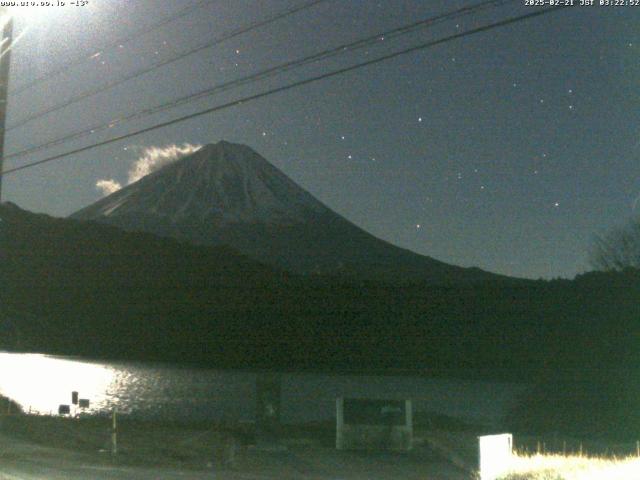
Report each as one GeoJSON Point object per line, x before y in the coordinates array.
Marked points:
{"type": "Point", "coordinates": [152, 159]}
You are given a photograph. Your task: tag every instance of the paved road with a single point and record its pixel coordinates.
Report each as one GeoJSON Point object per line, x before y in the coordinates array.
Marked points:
{"type": "Point", "coordinates": [23, 461]}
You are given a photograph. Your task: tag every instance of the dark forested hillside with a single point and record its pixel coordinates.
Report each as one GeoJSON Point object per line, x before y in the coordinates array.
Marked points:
{"type": "Point", "coordinates": [591, 381]}
{"type": "Point", "coordinates": [90, 289]}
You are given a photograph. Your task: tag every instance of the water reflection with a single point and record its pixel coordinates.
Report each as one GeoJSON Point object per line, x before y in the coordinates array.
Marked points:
{"type": "Point", "coordinates": [154, 390]}
{"type": "Point", "coordinates": [40, 383]}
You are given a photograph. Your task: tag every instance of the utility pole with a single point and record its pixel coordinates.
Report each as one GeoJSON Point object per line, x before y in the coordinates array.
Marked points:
{"type": "Point", "coordinates": [5, 55]}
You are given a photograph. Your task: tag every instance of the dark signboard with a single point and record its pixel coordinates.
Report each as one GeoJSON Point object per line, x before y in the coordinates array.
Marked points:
{"type": "Point", "coordinates": [374, 412]}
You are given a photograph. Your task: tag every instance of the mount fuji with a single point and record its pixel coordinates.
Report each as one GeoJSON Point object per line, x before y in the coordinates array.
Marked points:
{"type": "Point", "coordinates": [227, 194]}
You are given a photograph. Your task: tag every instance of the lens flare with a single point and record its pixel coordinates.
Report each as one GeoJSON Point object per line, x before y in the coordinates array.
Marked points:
{"type": "Point", "coordinates": [30, 14]}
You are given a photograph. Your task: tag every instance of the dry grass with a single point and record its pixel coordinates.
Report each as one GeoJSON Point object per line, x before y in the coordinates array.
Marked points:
{"type": "Point", "coordinates": [560, 467]}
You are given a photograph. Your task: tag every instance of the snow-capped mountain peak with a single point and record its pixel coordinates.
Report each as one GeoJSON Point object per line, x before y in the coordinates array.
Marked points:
{"type": "Point", "coordinates": [221, 183]}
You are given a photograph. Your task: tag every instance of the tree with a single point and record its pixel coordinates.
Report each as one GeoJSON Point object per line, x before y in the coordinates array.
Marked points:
{"type": "Point", "coordinates": [617, 250]}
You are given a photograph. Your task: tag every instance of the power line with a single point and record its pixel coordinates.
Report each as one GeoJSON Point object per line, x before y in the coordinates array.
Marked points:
{"type": "Point", "coordinates": [138, 73]}
{"type": "Point", "coordinates": [290, 86]}
{"type": "Point", "coordinates": [64, 68]}
{"type": "Point", "coordinates": [270, 72]}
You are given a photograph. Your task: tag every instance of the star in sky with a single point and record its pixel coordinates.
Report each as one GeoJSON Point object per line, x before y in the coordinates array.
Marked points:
{"type": "Point", "coordinates": [473, 136]}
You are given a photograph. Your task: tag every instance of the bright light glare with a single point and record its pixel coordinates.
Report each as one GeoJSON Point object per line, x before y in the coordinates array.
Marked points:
{"type": "Point", "coordinates": [31, 14]}
{"type": "Point", "coordinates": [41, 383]}
{"type": "Point", "coordinates": [34, 16]}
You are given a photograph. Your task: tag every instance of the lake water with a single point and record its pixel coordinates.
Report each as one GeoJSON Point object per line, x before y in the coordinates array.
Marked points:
{"type": "Point", "coordinates": [40, 383]}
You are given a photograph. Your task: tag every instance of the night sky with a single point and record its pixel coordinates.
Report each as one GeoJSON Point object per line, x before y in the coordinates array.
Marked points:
{"type": "Point", "coordinates": [507, 150]}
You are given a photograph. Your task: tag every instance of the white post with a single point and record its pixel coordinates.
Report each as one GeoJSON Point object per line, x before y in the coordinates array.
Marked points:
{"type": "Point", "coordinates": [495, 455]}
